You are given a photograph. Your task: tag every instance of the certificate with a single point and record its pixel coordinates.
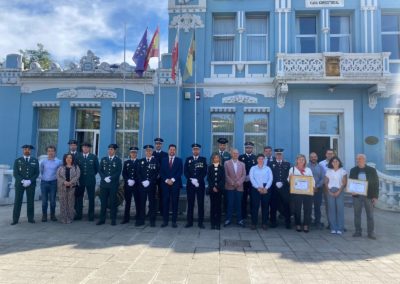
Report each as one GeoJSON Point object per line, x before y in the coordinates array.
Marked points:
{"type": "Point", "coordinates": [301, 185]}
{"type": "Point", "coordinates": [355, 186]}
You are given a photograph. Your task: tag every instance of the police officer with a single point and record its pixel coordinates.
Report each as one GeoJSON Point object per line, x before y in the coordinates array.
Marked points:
{"type": "Point", "coordinates": [159, 154]}
{"type": "Point", "coordinates": [223, 153]}
{"type": "Point", "coordinates": [73, 147]}
{"type": "Point", "coordinates": [25, 171]}
{"type": "Point", "coordinates": [249, 159]}
{"type": "Point", "coordinates": [110, 171]}
{"type": "Point", "coordinates": [131, 186]}
{"type": "Point", "coordinates": [147, 174]}
{"type": "Point", "coordinates": [89, 167]}
{"type": "Point", "coordinates": [280, 194]}
{"type": "Point", "coordinates": [195, 171]}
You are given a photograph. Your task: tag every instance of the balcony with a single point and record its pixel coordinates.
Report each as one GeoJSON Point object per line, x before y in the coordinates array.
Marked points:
{"type": "Point", "coordinates": [350, 68]}
{"type": "Point", "coordinates": [249, 71]}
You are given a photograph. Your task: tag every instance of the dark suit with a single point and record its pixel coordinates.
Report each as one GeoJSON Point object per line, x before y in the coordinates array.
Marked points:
{"type": "Point", "coordinates": [280, 197]}
{"type": "Point", "coordinates": [89, 168]}
{"type": "Point", "coordinates": [198, 170]}
{"type": "Point", "coordinates": [159, 156]}
{"type": "Point", "coordinates": [249, 161]}
{"type": "Point", "coordinates": [215, 178]}
{"type": "Point", "coordinates": [171, 191]}
{"type": "Point", "coordinates": [109, 190]}
{"type": "Point", "coordinates": [129, 171]}
{"type": "Point", "coordinates": [147, 171]}
{"type": "Point", "coordinates": [24, 170]}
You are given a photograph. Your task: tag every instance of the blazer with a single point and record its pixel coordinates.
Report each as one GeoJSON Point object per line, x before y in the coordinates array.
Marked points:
{"type": "Point", "coordinates": [174, 172]}
{"type": "Point", "coordinates": [195, 169]}
{"type": "Point", "coordinates": [110, 169]}
{"type": "Point", "coordinates": [89, 168]}
{"type": "Point", "coordinates": [74, 176]}
{"type": "Point", "coordinates": [216, 177]}
{"type": "Point", "coordinates": [26, 170]}
{"type": "Point", "coordinates": [234, 181]}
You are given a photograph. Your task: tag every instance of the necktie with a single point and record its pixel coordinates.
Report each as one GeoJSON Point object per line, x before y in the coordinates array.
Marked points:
{"type": "Point", "coordinates": [110, 159]}
{"type": "Point", "coordinates": [85, 156]}
{"type": "Point", "coordinates": [27, 160]}
{"type": "Point", "coordinates": [148, 160]}
{"type": "Point", "coordinates": [170, 163]}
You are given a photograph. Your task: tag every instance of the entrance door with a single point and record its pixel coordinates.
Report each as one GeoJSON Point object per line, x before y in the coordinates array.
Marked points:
{"type": "Point", "coordinates": [319, 145]}
{"type": "Point", "coordinates": [91, 136]}
{"type": "Point", "coordinates": [87, 127]}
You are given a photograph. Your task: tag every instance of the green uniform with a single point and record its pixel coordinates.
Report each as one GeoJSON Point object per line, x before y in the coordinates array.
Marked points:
{"type": "Point", "coordinates": [25, 170]}
{"type": "Point", "coordinates": [89, 167]}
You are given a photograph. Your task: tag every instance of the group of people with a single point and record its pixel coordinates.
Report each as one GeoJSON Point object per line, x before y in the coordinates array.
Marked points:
{"type": "Point", "coordinates": [232, 180]}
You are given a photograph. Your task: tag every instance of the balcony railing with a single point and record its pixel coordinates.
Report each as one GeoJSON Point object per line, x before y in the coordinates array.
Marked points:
{"type": "Point", "coordinates": [331, 65]}
{"type": "Point", "coordinates": [240, 69]}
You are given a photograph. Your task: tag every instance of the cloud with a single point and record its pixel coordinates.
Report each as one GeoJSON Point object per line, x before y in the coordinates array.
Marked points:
{"type": "Point", "coordinates": [67, 29]}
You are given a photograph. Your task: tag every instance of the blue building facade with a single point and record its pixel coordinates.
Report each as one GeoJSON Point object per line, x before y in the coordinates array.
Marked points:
{"type": "Point", "coordinates": [301, 75]}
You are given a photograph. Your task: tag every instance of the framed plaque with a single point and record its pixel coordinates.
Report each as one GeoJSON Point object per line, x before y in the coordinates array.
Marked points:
{"type": "Point", "coordinates": [355, 186]}
{"type": "Point", "coordinates": [301, 185]}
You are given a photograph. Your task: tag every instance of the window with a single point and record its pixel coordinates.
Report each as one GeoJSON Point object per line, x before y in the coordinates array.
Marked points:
{"type": "Point", "coordinates": [47, 128]}
{"type": "Point", "coordinates": [340, 40]}
{"type": "Point", "coordinates": [255, 130]}
{"type": "Point", "coordinates": [222, 125]}
{"type": "Point", "coordinates": [392, 139]}
{"type": "Point", "coordinates": [257, 37]}
{"type": "Point", "coordinates": [131, 131]}
{"type": "Point", "coordinates": [223, 38]}
{"type": "Point", "coordinates": [306, 34]}
{"type": "Point", "coordinates": [87, 127]}
{"type": "Point", "coordinates": [391, 35]}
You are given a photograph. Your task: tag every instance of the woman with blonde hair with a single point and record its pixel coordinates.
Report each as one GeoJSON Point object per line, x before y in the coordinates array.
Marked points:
{"type": "Point", "coordinates": [302, 201]}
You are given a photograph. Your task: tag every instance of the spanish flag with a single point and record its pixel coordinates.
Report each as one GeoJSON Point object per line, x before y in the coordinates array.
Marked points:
{"type": "Point", "coordinates": [190, 59]}
{"type": "Point", "coordinates": [154, 48]}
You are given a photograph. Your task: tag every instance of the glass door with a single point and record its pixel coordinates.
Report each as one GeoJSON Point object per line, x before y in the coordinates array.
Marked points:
{"type": "Point", "coordinates": [87, 127]}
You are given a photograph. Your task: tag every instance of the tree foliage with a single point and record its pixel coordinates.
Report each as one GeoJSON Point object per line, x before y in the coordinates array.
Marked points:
{"type": "Point", "coordinates": [40, 55]}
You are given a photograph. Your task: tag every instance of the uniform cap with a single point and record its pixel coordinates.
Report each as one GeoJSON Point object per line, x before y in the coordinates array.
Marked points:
{"type": "Point", "coordinates": [148, 147]}
{"type": "Point", "coordinates": [87, 144]}
{"type": "Point", "coordinates": [158, 140]}
{"type": "Point", "coordinates": [196, 145]}
{"type": "Point", "coordinates": [222, 140]}
{"type": "Point", "coordinates": [114, 146]}
{"type": "Point", "coordinates": [278, 150]}
{"type": "Point", "coordinates": [133, 149]}
{"type": "Point", "coordinates": [72, 141]}
{"type": "Point", "coordinates": [249, 144]}
{"type": "Point", "coordinates": [27, 146]}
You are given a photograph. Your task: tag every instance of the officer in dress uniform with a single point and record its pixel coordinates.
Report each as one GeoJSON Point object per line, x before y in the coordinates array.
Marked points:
{"type": "Point", "coordinates": [159, 154]}
{"type": "Point", "coordinates": [249, 159]}
{"type": "Point", "coordinates": [147, 174]}
{"type": "Point", "coordinates": [224, 156]}
{"type": "Point", "coordinates": [280, 194]}
{"type": "Point", "coordinates": [25, 171]}
{"type": "Point", "coordinates": [89, 167]}
{"type": "Point", "coordinates": [195, 171]}
{"type": "Point", "coordinates": [110, 171]}
{"type": "Point", "coordinates": [73, 147]}
{"type": "Point", "coordinates": [131, 186]}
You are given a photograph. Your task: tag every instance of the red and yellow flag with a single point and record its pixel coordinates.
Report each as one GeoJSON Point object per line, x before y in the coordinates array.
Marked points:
{"type": "Point", "coordinates": [154, 47]}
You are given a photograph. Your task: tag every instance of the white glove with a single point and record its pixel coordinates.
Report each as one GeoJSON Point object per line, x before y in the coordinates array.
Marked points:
{"type": "Point", "coordinates": [196, 184]}
{"type": "Point", "coordinates": [28, 182]}
{"type": "Point", "coordinates": [145, 183]}
{"type": "Point", "coordinates": [279, 184]}
{"type": "Point", "coordinates": [25, 183]}
{"type": "Point", "coordinates": [107, 179]}
{"type": "Point", "coordinates": [131, 182]}
{"type": "Point", "coordinates": [194, 181]}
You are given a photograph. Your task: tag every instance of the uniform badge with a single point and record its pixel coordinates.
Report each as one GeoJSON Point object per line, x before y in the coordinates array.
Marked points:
{"type": "Point", "coordinates": [190, 161]}
{"type": "Point", "coordinates": [142, 162]}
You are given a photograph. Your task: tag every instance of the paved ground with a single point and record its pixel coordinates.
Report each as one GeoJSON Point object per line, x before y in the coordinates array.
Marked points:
{"type": "Point", "coordinates": [84, 253]}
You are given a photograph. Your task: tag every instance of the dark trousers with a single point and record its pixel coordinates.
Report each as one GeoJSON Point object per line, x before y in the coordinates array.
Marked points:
{"type": "Point", "coordinates": [145, 194]}
{"type": "Point", "coordinates": [246, 193]}
{"type": "Point", "coordinates": [170, 194]}
{"type": "Point", "coordinates": [108, 196]}
{"type": "Point", "coordinates": [130, 191]}
{"type": "Point", "coordinates": [19, 195]}
{"type": "Point", "coordinates": [160, 196]}
{"type": "Point", "coordinates": [215, 208]}
{"type": "Point", "coordinates": [49, 192]}
{"type": "Point", "coordinates": [283, 200]}
{"type": "Point", "coordinates": [234, 200]}
{"type": "Point", "coordinates": [256, 199]}
{"type": "Point", "coordinates": [317, 200]}
{"type": "Point", "coordinates": [305, 202]}
{"type": "Point", "coordinates": [358, 203]}
{"type": "Point", "coordinates": [79, 194]}
{"type": "Point", "coordinates": [192, 192]}
{"type": "Point", "coordinates": [273, 205]}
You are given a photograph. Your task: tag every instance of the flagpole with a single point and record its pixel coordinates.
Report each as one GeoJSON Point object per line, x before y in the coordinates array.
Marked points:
{"type": "Point", "coordinates": [159, 87]}
{"type": "Point", "coordinates": [124, 97]}
{"type": "Point", "coordinates": [177, 95]}
{"type": "Point", "coordinates": [195, 88]}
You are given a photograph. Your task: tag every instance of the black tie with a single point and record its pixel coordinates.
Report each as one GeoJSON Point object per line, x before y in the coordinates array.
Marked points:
{"type": "Point", "coordinates": [27, 160]}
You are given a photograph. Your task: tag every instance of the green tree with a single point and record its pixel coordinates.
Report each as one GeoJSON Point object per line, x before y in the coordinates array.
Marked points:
{"type": "Point", "coordinates": [40, 55]}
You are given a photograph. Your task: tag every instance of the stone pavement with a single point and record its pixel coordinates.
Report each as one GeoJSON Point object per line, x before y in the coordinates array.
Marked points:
{"type": "Point", "coordinates": [84, 253]}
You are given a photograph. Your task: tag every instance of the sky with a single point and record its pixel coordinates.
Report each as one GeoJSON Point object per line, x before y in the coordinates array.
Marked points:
{"type": "Point", "coordinates": [67, 29]}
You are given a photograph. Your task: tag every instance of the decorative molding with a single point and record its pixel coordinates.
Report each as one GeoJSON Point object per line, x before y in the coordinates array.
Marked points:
{"type": "Point", "coordinates": [260, 91]}
{"type": "Point", "coordinates": [392, 110]}
{"type": "Point", "coordinates": [281, 92]}
{"type": "Point", "coordinates": [239, 99]}
{"type": "Point", "coordinates": [86, 94]}
{"type": "Point", "coordinates": [45, 104]}
{"type": "Point", "coordinates": [186, 22]}
{"type": "Point", "coordinates": [84, 104]}
{"type": "Point", "coordinates": [9, 76]}
{"type": "Point", "coordinates": [127, 104]}
{"type": "Point", "coordinates": [257, 109]}
{"type": "Point", "coordinates": [185, 6]}
{"type": "Point", "coordinates": [222, 109]}
{"type": "Point", "coordinates": [374, 93]}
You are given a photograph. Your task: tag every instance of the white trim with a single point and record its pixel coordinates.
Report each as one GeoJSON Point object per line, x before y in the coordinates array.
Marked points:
{"type": "Point", "coordinates": [45, 104]}
{"type": "Point", "coordinates": [344, 107]}
{"type": "Point", "coordinates": [392, 110]}
{"type": "Point", "coordinates": [222, 109]}
{"type": "Point", "coordinates": [90, 104]}
{"type": "Point", "coordinates": [127, 104]}
{"type": "Point", "coordinates": [256, 109]}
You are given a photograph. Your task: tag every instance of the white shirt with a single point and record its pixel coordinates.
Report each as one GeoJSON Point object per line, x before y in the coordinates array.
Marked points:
{"type": "Point", "coordinates": [294, 171]}
{"type": "Point", "coordinates": [335, 177]}
{"type": "Point", "coordinates": [235, 166]}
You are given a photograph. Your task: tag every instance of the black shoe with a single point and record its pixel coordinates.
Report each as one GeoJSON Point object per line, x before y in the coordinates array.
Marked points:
{"type": "Point", "coordinates": [253, 227]}
{"type": "Point", "coordinates": [241, 223]}
{"type": "Point", "coordinates": [227, 223]}
{"type": "Point", "coordinates": [163, 225]}
{"type": "Point", "coordinates": [100, 223]}
{"type": "Point", "coordinates": [273, 225]}
{"type": "Point", "coordinates": [31, 221]}
{"type": "Point", "coordinates": [77, 218]}
{"type": "Point", "coordinates": [152, 224]}
{"type": "Point", "coordinates": [53, 218]}
{"type": "Point", "coordinates": [298, 229]}
{"type": "Point", "coordinates": [288, 226]}
{"type": "Point", "coordinates": [371, 236]}
{"type": "Point", "coordinates": [201, 226]}
{"type": "Point", "coordinates": [14, 223]}
{"type": "Point", "coordinates": [174, 225]}
{"type": "Point", "coordinates": [91, 219]}
{"type": "Point", "coordinates": [188, 225]}
{"type": "Point", "coordinates": [44, 218]}
{"type": "Point", "coordinates": [124, 221]}
{"type": "Point", "coordinates": [138, 224]}
{"type": "Point", "coordinates": [113, 223]}
{"type": "Point", "coordinates": [357, 235]}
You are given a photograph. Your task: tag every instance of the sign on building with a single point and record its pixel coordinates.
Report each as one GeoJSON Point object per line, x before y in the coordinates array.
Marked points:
{"type": "Point", "coordinates": [324, 3]}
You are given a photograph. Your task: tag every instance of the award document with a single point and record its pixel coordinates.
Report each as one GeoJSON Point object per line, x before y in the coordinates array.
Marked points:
{"type": "Point", "coordinates": [301, 185]}
{"type": "Point", "coordinates": [355, 186]}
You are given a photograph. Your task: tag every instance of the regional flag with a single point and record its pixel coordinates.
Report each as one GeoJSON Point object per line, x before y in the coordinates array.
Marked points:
{"type": "Point", "coordinates": [190, 58]}
{"type": "Point", "coordinates": [175, 55]}
{"type": "Point", "coordinates": [140, 55]}
{"type": "Point", "coordinates": [154, 48]}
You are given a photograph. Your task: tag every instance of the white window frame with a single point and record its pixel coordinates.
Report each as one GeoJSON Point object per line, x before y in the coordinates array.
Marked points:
{"type": "Point", "coordinates": [258, 35]}
{"type": "Point", "coordinates": [124, 152]}
{"type": "Point", "coordinates": [256, 133]}
{"type": "Point", "coordinates": [331, 35]}
{"type": "Point", "coordinates": [223, 36]}
{"type": "Point", "coordinates": [391, 137]}
{"type": "Point", "coordinates": [224, 134]}
{"type": "Point", "coordinates": [396, 60]}
{"type": "Point", "coordinates": [315, 36]}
